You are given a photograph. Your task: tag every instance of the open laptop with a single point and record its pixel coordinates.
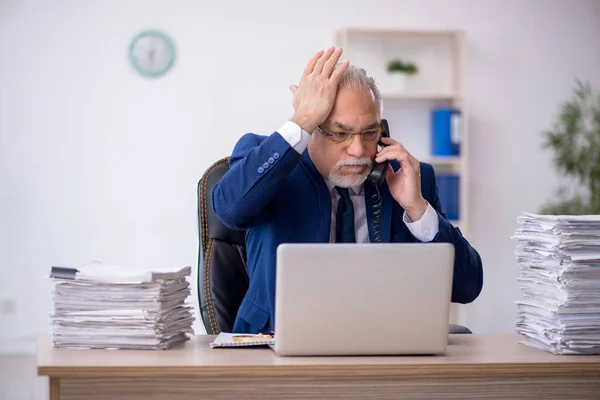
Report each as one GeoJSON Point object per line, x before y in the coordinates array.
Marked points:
{"type": "Point", "coordinates": [363, 299]}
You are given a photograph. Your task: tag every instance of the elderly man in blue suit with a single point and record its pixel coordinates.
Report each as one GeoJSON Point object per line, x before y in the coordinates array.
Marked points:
{"type": "Point", "coordinates": [307, 183]}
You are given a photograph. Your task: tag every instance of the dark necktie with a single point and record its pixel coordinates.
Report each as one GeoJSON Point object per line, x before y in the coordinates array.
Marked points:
{"type": "Point", "coordinates": [344, 218]}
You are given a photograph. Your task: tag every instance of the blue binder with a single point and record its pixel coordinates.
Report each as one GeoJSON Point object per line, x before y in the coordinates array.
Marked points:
{"type": "Point", "coordinates": [445, 132]}
{"type": "Point", "coordinates": [449, 193]}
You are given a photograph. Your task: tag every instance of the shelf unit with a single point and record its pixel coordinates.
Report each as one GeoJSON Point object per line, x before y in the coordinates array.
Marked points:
{"type": "Point", "coordinates": [439, 55]}
{"type": "Point", "coordinates": [420, 96]}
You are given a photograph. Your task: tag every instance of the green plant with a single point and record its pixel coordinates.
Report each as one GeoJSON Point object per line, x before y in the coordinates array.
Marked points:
{"type": "Point", "coordinates": [575, 140]}
{"type": "Point", "coordinates": [402, 66]}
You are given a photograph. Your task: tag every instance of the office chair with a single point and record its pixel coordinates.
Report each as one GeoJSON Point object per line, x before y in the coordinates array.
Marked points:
{"type": "Point", "coordinates": [222, 276]}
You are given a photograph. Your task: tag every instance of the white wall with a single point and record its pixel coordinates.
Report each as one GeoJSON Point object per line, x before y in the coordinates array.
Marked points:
{"type": "Point", "coordinates": [97, 163]}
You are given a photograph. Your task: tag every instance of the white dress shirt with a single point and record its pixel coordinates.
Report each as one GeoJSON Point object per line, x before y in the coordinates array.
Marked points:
{"type": "Point", "coordinates": [424, 229]}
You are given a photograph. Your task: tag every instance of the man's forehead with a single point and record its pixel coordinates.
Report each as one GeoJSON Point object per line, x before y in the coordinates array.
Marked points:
{"type": "Point", "coordinates": [350, 127]}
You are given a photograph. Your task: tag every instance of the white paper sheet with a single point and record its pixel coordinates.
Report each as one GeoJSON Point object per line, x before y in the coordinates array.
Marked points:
{"type": "Point", "coordinates": [121, 308]}
{"type": "Point", "coordinates": [559, 261]}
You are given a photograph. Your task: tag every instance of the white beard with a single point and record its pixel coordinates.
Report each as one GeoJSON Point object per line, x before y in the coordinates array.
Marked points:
{"type": "Point", "coordinates": [346, 181]}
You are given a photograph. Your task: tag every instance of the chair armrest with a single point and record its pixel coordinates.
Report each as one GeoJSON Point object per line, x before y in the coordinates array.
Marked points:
{"type": "Point", "coordinates": [453, 328]}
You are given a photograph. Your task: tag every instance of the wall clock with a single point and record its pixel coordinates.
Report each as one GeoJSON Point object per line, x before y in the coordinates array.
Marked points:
{"type": "Point", "coordinates": [151, 53]}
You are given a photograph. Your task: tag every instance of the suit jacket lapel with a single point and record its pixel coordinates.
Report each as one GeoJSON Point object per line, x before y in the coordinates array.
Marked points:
{"type": "Point", "coordinates": [379, 212]}
{"type": "Point", "coordinates": [323, 196]}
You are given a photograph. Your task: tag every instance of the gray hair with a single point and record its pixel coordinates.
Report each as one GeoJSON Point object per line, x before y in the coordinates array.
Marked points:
{"type": "Point", "coordinates": [356, 78]}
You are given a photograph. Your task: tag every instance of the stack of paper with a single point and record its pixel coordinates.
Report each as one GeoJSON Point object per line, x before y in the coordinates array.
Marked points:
{"type": "Point", "coordinates": [559, 259]}
{"type": "Point", "coordinates": [103, 306]}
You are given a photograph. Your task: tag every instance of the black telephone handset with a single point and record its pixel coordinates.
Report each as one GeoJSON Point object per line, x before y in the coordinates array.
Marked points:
{"type": "Point", "coordinates": [379, 170]}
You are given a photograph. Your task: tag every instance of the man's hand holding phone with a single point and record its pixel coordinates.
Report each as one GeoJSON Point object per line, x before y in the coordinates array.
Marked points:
{"type": "Point", "coordinates": [405, 185]}
{"type": "Point", "coordinates": [314, 96]}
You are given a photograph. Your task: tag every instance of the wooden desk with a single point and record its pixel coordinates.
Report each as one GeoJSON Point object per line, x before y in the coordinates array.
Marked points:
{"type": "Point", "coordinates": [475, 366]}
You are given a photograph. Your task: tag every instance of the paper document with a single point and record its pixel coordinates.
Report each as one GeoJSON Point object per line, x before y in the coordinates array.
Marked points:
{"type": "Point", "coordinates": [559, 279]}
{"type": "Point", "coordinates": [99, 272]}
{"type": "Point", "coordinates": [242, 340]}
{"type": "Point", "coordinates": [112, 307]}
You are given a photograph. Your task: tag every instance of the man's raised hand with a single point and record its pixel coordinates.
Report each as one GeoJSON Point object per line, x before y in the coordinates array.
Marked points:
{"type": "Point", "coordinates": [315, 94]}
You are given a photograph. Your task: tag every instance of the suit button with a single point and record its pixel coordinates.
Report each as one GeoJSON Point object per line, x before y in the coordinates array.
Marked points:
{"type": "Point", "coordinates": [276, 156]}
{"type": "Point", "coordinates": [261, 170]}
{"type": "Point", "coordinates": [271, 160]}
{"type": "Point", "coordinates": [266, 165]}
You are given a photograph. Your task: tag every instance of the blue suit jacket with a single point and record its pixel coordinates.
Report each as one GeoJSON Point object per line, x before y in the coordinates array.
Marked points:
{"type": "Point", "coordinates": [277, 196]}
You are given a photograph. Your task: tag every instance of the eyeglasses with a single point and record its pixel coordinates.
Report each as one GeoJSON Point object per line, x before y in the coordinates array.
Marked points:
{"type": "Point", "coordinates": [369, 135]}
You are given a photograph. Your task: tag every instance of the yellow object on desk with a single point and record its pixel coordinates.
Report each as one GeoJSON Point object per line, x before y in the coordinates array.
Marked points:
{"type": "Point", "coordinates": [252, 338]}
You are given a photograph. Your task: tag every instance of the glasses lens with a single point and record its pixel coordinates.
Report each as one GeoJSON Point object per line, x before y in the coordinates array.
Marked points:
{"type": "Point", "coordinates": [339, 137]}
{"type": "Point", "coordinates": [371, 135]}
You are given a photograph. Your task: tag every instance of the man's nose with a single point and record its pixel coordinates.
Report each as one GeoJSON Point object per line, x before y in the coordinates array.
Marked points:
{"type": "Point", "coordinates": [356, 147]}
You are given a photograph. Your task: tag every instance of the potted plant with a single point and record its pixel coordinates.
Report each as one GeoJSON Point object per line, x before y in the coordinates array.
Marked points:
{"type": "Point", "coordinates": [398, 71]}
{"type": "Point", "coordinates": [575, 139]}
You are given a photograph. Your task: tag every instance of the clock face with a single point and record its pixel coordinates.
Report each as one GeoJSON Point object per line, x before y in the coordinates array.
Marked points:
{"type": "Point", "coordinates": [152, 53]}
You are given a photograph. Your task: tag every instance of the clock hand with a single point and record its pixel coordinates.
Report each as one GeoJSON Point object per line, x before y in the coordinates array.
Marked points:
{"type": "Point", "coordinates": [151, 54]}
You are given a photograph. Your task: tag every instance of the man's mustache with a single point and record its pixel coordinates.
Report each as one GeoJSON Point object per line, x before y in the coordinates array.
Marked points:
{"type": "Point", "coordinates": [355, 161]}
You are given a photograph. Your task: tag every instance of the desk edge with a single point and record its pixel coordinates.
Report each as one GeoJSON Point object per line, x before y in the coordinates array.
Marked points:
{"type": "Point", "coordinates": [325, 370]}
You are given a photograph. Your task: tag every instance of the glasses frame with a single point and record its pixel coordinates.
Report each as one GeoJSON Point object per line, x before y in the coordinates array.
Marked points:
{"type": "Point", "coordinates": [349, 139]}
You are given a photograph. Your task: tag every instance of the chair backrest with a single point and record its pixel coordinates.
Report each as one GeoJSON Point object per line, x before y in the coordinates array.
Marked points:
{"type": "Point", "coordinates": [222, 277]}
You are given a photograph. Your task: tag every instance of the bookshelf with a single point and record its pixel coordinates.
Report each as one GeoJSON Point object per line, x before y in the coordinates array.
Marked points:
{"type": "Point", "coordinates": [420, 96]}
{"type": "Point", "coordinates": [439, 82]}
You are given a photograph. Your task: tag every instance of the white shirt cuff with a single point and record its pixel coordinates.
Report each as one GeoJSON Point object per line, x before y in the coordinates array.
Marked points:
{"type": "Point", "coordinates": [426, 228]}
{"type": "Point", "coordinates": [295, 136]}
